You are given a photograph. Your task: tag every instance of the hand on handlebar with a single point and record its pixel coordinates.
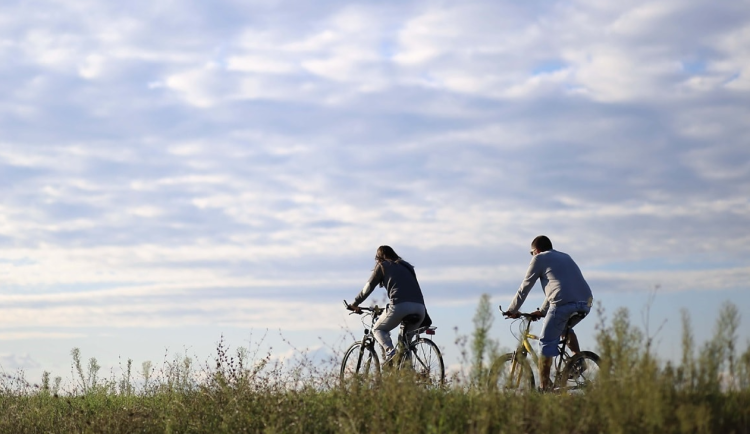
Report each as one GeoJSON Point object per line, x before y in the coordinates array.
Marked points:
{"type": "Point", "coordinates": [353, 307]}
{"type": "Point", "coordinates": [534, 316]}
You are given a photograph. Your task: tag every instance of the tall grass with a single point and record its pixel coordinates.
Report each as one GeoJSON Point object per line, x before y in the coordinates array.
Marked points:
{"type": "Point", "coordinates": [708, 391]}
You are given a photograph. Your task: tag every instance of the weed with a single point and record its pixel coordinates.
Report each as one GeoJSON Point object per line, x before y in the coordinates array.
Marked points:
{"type": "Point", "coordinates": [239, 390]}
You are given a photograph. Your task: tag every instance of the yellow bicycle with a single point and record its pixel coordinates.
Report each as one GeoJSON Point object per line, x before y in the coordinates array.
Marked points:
{"type": "Point", "coordinates": [516, 370]}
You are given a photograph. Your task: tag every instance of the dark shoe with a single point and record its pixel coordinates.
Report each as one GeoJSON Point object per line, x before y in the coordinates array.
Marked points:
{"type": "Point", "coordinates": [389, 356]}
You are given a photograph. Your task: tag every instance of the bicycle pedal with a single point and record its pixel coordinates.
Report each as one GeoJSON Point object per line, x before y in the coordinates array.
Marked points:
{"type": "Point", "coordinates": [578, 369]}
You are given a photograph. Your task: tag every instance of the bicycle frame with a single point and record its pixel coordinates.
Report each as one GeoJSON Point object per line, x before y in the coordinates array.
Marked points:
{"type": "Point", "coordinates": [410, 350]}
{"type": "Point", "coordinates": [408, 341]}
{"type": "Point", "coordinates": [524, 348]}
{"type": "Point", "coordinates": [524, 344]}
{"type": "Point", "coordinates": [405, 340]}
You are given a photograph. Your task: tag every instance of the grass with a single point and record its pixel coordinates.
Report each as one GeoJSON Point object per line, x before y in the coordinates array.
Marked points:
{"type": "Point", "coordinates": [707, 392]}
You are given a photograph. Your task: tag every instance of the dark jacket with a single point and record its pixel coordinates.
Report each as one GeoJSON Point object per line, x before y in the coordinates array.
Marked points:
{"type": "Point", "coordinates": [399, 280]}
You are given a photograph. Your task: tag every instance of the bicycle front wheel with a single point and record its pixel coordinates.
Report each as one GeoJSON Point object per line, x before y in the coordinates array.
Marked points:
{"type": "Point", "coordinates": [425, 360]}
{"type": "Point", "coordinates": [581, 371]}
{"type": "Point", "coordinates": [510, 372]}
{"type": "Point", "coordinates": [360, 363]}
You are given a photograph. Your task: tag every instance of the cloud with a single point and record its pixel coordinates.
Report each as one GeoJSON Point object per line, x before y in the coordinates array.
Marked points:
{"type": "Point", "coordinates": [31, 335]}
{"type": "Point", "coordinates": [232, 156]}
{"type": "Point", "coordinates": [13, 362]}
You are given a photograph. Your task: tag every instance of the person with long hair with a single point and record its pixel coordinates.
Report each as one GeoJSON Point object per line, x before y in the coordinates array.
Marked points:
{"type": "Point", "coordinates": [400, 282]}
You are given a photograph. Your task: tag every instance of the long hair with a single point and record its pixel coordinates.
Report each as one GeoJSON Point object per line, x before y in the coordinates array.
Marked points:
{"type": "Point", "coordinates": [386, 253]}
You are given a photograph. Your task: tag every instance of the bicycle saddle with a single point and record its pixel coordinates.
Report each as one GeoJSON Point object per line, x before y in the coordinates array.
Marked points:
{"type": "Point", "coordinates": [412, 318]}
{"type": "Point", "coordinates": [576, 318]}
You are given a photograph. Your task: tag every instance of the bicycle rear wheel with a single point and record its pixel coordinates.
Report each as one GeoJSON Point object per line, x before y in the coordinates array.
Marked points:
{"type": "Point", "coordinates": [426, 362]}
{"type": "Point", "coordinates": [360, 363]}
{"type": "Point", "coordinates": [511, 373]}
{"type": "Point", "coordinates": [581, 371]}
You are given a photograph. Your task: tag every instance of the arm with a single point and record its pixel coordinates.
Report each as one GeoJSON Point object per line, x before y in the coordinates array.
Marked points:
{"type": "Point", "coordinates": [532, 275]}
{"type": "Point", "coordinates": [375, 278]}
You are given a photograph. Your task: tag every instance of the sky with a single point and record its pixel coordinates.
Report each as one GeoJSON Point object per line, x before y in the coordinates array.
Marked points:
{"type": "Point", "coordinates": [178, 172]}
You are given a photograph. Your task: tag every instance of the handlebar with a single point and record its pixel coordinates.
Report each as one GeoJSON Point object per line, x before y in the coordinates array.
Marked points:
{"type": "Point", "coordinates": [374, 309]}
{"type": "Point", "coordinates": [520, 314]}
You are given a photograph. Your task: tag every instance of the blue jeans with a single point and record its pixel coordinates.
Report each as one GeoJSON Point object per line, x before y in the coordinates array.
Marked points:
{"type": "Point", "coordinates": [554, 323]}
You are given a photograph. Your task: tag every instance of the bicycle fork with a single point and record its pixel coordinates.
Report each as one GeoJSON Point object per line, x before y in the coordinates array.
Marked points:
{"type": "Point", "coordinates": [516, 362]}
{"type": "Point", "coordinates": [367, 342]}
{"type": "Point", "coordinates": [403, 353]}
{"type": "Point", "coordinates": [516, 367]}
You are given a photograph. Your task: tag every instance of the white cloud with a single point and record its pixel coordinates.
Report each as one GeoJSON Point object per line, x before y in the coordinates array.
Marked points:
{"type": "Point", "coordinates": [720, 164]}
{"type": "Point", "coordinates": [12, 362]}
{"type": "Point", "coordinates": [250, 63]}
{"type": "Point", "coordinates": [27, 336]}
{"type": "Point", "coordinates": [158, 309]}
{"type": "Point", "coordinates": [198, 86]}
{"type": "Point", "coordinates": [51, 50]}
{"type": "Point", "coordinates": [92, 66]}
{"type": "Point", "coordinates": [642, 18]}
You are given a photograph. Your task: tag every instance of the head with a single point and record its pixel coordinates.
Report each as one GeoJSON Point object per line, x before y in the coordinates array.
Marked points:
{"type": "Point", "coordinates": [386, 253]}
{"type": "Point", "coordinates": [540, 244]}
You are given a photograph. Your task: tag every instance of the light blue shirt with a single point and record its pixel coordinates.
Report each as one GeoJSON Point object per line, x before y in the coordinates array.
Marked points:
{"type": "Point", "coordinates": [562, 281]}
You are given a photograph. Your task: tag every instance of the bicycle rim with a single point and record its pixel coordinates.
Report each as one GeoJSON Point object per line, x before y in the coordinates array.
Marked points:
{"type": "Point", "coordinates": [360, 364]}
{"type": "Point", "coordinates": [581, 372]}
{"type": "Point", "coordinates": [426, 363]}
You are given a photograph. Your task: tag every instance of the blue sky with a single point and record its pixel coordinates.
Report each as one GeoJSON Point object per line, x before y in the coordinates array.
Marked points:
{"type": "Point", "coordinates": [173, 171]}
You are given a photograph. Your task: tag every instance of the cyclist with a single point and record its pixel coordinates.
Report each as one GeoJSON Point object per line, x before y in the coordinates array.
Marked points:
{"type": "Point", "coordinates": [565, 293]}
{"type": "Point", "coordinates": [400, 281]}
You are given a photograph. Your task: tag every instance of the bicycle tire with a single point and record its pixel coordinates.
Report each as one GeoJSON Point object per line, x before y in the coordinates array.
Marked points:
{"type": "Point", "coordinates": [367, 369]}
{"type": "Point", "coordinates": [581, 371]}
{"type": "Point", "coordinates": [504, 376]}
{"type": "Point", "coordinates": [426, 362]}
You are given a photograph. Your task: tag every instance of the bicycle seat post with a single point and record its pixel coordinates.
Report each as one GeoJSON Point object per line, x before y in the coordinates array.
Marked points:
{"type": "Point", "coordinates": [402, 336]}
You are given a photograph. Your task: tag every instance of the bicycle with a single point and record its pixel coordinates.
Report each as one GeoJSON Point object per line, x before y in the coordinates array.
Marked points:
{"type": "Point", "coordinates": [513, 371]}
{"type": "Point", "coordinates": [419, 355]}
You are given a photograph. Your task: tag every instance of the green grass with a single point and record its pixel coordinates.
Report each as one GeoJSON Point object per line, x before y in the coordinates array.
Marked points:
{"type": "Point", "coordinates": [707, 392]}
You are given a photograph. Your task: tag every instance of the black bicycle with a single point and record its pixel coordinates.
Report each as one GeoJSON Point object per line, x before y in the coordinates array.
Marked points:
{"type": "Point", "coordinates": [413, 352]}
{"type": "Point", "coordinates": [513, 371]}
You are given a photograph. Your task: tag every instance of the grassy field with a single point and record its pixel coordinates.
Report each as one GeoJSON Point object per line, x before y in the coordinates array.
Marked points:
{"type": "Point", "coordinates": [707, 392]}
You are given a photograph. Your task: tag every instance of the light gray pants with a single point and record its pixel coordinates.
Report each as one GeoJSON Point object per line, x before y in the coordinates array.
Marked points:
{"type": "Point", "coordinates": [392, 317]}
